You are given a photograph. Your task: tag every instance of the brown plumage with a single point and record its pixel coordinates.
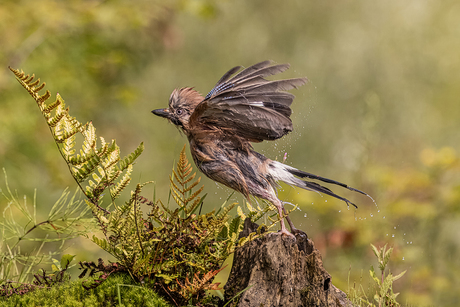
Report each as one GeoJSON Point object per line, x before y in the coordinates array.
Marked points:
{"type": "Point", "coordinates": [243, 107]}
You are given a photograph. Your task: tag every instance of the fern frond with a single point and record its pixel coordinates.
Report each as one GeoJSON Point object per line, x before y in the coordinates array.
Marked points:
{"type": "Point", "coordinates": [65, 130]}
{"type": "Point", "coordinates": [186, 171]}
{"type": "Point", "coordinates": [194, 195]}
{"type": "Point", "coordinates": [115, 191]}
{"type": "Point", "coordinates": [194, 184]}
{"type": "Point", "coordinates": [79, 160]}
{"type": "Point", "coordinates": [177, 198]}
{"type": "Point", "coordinates": [190, 178]}
{"type": "Point", "coordinates": [183, 183]}
{"type": "Point", "coordinates": [41, 99]}
{"type": "Point", "coordinates": [53, 105]}
{"type": "Point", "coordinates": [241, 213]}
{"type": "Point", "coordinates": [68, 147]}
{"type": "Point", "coordinates": [172, 181]}
{"type": "Point", "coordinates": [38, 88]}
{"type": "Point", "coordinates": [125, 162]}
{"type": "Point", "coordinates": [234, 227]}
{"type": "Point", "coordinates": [224, 212]}
{"type": "Point", "coordinates": [67, 134]}
{"type": "Point", "coordinates": [30, 86]}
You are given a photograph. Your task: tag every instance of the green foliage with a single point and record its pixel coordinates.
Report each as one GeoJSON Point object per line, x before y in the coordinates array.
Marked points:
{"type": "Point", "coordinates": [118, 290]}
{"type": "Point", "coordinates": [21, 227]}
{"type": "Point", "coordinates": [187, 249]}
{"type": "Point", "coordinates": [384, 295]}
{"type": "Point", "coordinates": [175, 251]}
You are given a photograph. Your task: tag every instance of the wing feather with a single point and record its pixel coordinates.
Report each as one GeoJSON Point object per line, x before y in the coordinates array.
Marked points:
{"type": "Point", "coordinates": [248, 105]}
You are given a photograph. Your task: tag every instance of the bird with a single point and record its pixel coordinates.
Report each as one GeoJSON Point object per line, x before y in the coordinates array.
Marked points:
{"type": "Point", "coordinates": [244, 108]}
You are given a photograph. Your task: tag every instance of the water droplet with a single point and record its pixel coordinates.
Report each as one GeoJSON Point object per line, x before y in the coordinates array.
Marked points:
{"type": "Point", "coordinates": [395, 227]}
{"type": "Point", "coordinates": [305, 215]}
{"type": "Point", "coordinates": [378, 211]}
{"type": "Point", "coordinates": [392, 235]}
{"type": "Point", "coordinates": [325, 200]}
{"type": "Point", "coordinates": [403, 258]}
{"type": "Point", "coordinates": [384, 217]}
{"type": "Point", "coordinates": [372, 215]}
{"type": "Point", "coordinates": [340, 210]}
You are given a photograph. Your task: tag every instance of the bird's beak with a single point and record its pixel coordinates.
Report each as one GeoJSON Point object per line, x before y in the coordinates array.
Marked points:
{"type": "Point", "coordinates": [162, 112]}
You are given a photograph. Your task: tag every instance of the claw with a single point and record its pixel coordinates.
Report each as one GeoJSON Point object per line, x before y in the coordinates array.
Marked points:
{"type": "Point", "coordinates": [285, 232]}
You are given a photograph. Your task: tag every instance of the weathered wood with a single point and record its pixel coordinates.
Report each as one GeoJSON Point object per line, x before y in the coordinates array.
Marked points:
{"type": "Point", "coordinates": [281, 272]}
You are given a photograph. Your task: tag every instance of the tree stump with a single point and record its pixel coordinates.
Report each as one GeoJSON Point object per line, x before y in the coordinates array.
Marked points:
{"type": "Point", "coordinates": [279, 271]}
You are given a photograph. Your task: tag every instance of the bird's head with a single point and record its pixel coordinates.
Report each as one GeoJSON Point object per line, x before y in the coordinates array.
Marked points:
{"type": "Point", "coordinates": [182, 103]}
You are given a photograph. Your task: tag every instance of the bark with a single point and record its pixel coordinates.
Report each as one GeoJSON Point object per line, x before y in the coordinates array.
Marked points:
{"type": "Point", "coordinates": [277, 271]}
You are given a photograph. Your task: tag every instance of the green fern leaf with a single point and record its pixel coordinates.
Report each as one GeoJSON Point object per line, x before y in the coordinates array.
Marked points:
{"type": "Point", "coordinates": [81, 159]}
{"type": "Point", "coordinates": [234, 226]}
{"type": "Point", "coordinates": [115, 192]}
{"type": "Point", "coordinates": [125, 162]}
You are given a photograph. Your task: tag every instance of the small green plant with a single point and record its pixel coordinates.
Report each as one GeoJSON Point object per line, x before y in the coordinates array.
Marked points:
{"type": "Point", "coordinates": [25, 236]}
{"type": "Point", "coordinates": [384, 295]}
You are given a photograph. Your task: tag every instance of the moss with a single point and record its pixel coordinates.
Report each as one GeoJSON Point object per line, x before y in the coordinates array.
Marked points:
{"type": "Point", "coordinates": [73, 294]}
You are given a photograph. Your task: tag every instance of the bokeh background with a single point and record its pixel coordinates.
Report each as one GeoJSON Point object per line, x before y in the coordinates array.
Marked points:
{"type": "Point", "coordinates": [381, 112]}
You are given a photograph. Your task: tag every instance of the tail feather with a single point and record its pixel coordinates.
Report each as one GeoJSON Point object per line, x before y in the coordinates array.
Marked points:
{"type": "Point", "coordinates": [313, 186]}
{"type": "Point", "coordinates": [303, 174]}
{"type": "Point", "coordinates": [292, 176]}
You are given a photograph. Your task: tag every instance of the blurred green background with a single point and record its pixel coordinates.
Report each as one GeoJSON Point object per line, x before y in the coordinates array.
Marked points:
{"type": "Point", "coordinates": [381, 112]}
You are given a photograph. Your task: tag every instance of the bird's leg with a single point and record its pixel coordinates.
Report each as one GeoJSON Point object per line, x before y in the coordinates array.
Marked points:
{"type": "Point", "coordinates": [279, 205]}
{"type": "Point", "coordinates": [291, 225]}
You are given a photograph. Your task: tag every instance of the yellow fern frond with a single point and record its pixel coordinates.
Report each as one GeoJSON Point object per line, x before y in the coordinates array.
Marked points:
{"type": "Point", "coordinates": [194, 184]}
{"type": "Point", "coordinates": [195, 194]}
{"type": "Point", "coordinates": [94, 169]}
{"type": "Point", "coordinates": [241, 213]}
{"type": "Point", "coordinates": [183, 183]}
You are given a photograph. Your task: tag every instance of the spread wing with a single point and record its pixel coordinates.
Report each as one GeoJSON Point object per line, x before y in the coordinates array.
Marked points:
{"type": "Point", "coordinates": [248, 105]}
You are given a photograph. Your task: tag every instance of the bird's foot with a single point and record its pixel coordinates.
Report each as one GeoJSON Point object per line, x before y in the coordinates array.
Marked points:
{"type": "Point", "coordinates": [298, 232]}
{"type": "Point", "coordinates": [285, 232]}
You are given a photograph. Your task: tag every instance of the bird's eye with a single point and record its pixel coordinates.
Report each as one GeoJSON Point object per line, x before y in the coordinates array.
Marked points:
{"type": "Point", "coordinates": [179, 111]}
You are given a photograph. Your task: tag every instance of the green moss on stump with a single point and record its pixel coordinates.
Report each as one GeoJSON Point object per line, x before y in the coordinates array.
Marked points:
{"type": "Point", "coordinates": [73, 294]}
